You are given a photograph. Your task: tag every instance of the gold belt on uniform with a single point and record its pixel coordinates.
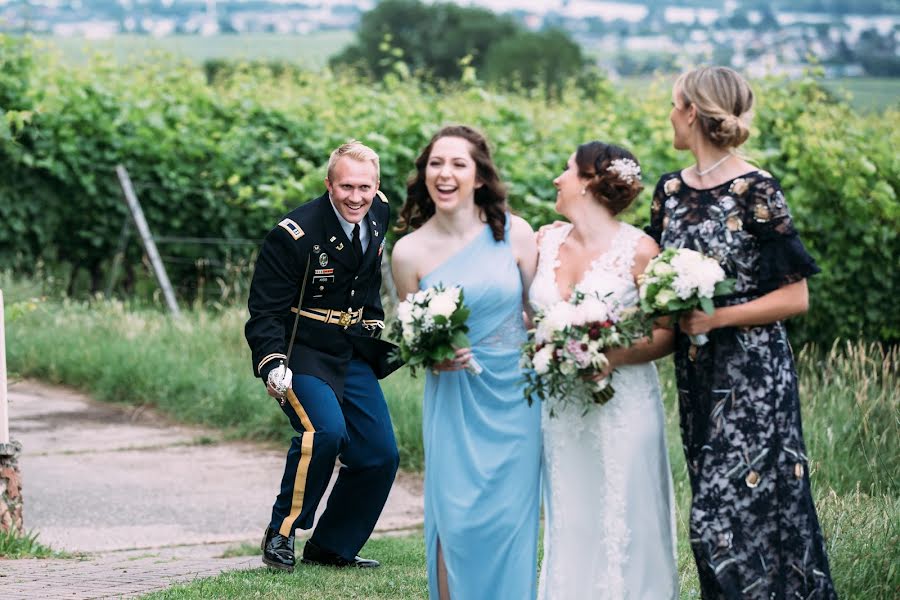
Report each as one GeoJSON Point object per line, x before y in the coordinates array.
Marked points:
{"type": "Point", "coordinates": [332, 316]}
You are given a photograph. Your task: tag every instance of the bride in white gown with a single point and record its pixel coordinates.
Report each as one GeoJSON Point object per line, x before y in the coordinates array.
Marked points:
{"type": "Point", "coordinates": [609, 512]}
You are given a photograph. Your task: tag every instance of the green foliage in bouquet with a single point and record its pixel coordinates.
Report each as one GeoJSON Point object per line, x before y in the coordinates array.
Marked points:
{"type": "Point", "coordinates": [427, 335]}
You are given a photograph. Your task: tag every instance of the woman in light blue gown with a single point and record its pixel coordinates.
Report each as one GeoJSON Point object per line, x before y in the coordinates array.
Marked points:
{"type": "Point", "coordinates": [482, 440]}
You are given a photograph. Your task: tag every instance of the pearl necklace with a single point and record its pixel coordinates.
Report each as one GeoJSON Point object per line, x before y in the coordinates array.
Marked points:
{"type": "Point", "coordinates": [712, 168]}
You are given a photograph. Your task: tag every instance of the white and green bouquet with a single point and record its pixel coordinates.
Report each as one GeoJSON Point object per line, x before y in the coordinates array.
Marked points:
{"type": "Point", "coordinates": [681, 280]}
{"type": "Point", "coordinates": [565, 350]}
{"type": "Point", "coordinates": [431, 326]}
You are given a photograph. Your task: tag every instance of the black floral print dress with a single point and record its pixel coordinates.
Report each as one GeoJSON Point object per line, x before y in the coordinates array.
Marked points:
{"type": "Point", "coordinates": [753, 526]}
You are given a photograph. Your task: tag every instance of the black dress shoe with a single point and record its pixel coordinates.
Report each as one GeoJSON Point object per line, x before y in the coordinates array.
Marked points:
{"type": "Point", "coordinates": [314, 555]}
{"type": "Point", "coordinates": [278, 550]}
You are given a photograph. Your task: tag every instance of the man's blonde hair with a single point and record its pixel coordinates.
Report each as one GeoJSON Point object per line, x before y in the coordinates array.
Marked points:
{"type": "Point", "coordinates": [357, 151]}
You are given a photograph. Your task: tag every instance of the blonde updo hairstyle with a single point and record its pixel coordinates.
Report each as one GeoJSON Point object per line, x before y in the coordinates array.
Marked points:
{"type": "Point", "coordinates": [724, 103]}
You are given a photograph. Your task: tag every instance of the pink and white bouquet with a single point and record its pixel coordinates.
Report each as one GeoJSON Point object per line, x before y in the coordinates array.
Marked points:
{"type": "Point", "coordinates": [681, 280]}
{"type": "Point", "coordinates": [565, 351]}
{"type": "Point", "coordinates": [430, 326]}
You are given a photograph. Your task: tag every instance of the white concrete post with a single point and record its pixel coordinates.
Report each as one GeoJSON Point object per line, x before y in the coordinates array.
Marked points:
{"type": "Point", "coordinates": [4, 412]}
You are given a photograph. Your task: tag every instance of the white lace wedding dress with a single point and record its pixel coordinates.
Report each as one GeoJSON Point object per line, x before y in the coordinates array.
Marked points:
{"type": "Point", "coordinates": [609, 530]}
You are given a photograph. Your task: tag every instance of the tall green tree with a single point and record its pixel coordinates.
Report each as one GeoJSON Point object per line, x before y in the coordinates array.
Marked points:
{"type": "Point", "coordinates": [547, 59]}
{"type": "Point", "coordinates": [431, 39]}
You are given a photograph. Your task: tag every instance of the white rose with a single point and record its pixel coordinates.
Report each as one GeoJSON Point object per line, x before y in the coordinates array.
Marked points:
{"type": "Point", "coordinates": [684, 286]}
{"type": "Point", "coordinates": [568, 368]}
{"type": "Point", "coordinates": [593, 310]}
{"type": "Point", "coordinates": [404, 312]}
{"type": "Point", "coordinates": [662, 268]}
{"type": "Point", "coordinates": [600, 361]}
{"type": "Point", "coordinates": [663, 298]}
{"type": "Point", "coordinates": [421, 296]}
{"type": "Point", "coordinates": [560, 316]}
{"type": "Point", "coordinates": [708, 275]}
{"type": "Point", "coordinates": [542, 359]}
{"type": "Point", "coordinates": [442, 305]}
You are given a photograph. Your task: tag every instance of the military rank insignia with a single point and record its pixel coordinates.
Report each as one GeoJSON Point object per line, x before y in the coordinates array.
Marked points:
{"type": "Point", "coordinates": [292, 228]}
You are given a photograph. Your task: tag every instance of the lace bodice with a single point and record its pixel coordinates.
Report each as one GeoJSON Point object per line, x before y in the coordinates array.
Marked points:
{"type": "Point", "coordinates": [609, 273]}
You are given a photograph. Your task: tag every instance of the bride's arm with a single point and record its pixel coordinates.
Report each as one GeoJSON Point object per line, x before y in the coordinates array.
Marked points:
{"type": "Point", "coordinates": [524, 247]}
{"type": "Point", "coordinates": [661, 342]}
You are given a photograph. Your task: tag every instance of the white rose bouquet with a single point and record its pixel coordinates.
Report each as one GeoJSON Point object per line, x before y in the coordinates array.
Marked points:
{"type": "Point", "coordinates": [681, 280]}
{"type": "Point", "coordinates": [564, 352]}
{"type": "Point", "coordinates": [430, 326]}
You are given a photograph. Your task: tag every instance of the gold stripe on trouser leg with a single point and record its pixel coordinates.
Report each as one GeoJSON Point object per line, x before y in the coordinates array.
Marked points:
{"type": "Point", "coordinates": [306, 449]}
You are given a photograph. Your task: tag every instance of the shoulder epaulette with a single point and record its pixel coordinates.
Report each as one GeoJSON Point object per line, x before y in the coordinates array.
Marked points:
{"type": "Point", "coordinates": [382, 196]}
{"type": "Point", "coordinates": [292, 228]}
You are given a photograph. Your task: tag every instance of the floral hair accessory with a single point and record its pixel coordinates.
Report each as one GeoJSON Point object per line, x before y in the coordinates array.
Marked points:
{"type": "Point", "coordinates": [627, 170]}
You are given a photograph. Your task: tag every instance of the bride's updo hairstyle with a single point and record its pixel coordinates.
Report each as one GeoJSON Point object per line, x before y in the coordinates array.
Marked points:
{"type": "Point", "coordinates": [724, 103]}
{"type": "Point", "coordinates": [490, 197]}
{"type": "Point", "coordinates": [613, 172]}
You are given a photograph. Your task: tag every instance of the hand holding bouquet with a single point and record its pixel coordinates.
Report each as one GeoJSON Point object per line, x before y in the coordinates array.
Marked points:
{"type": "Point", "coordinates": [564, 353]}
{"type": "Point", "coordinates": [682, 280]}
{"type": "Point", "coordinates": [431, 326]}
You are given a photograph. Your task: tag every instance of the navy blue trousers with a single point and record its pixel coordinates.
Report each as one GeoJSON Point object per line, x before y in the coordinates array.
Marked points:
{"type": "Point", "coordinates": [359, 432]}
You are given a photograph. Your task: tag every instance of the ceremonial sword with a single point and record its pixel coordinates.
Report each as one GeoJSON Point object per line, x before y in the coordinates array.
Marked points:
{"type": "Point", "coordinates": [287, 359]}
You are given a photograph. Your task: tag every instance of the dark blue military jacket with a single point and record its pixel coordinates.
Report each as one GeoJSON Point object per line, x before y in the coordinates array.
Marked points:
{"type": "Point", "coordinates": [335, 280]}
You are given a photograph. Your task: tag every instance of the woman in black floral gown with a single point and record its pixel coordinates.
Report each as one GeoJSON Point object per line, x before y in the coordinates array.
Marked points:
{"type": "Point", "coordinates": [753, 526]}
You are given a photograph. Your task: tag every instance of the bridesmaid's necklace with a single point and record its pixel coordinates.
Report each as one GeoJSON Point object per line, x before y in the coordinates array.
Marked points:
{"type": "Point", "coordinates": [712, 168]}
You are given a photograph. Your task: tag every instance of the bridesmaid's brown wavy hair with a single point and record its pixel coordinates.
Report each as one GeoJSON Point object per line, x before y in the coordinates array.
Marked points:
{"type": "Point", "coordinates": [490, 197]}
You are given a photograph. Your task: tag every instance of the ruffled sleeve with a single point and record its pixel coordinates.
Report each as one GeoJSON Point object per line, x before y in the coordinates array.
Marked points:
{"type": "Point", "coordinates": [782, 257]}
{"type": "Point", "coordinates": [655, 228]}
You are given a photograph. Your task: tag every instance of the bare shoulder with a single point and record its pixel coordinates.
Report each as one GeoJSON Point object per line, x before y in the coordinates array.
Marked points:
{"type": "Point", "coordinates": [646, 248]}
{"type": "Point", "coordinates": [520, 229]}
{"type": "Point", "coordinates": [408, 250]}
{"type": "Point", "coordinates": [405, 263]}
{"type": "Point", "coordinates": [644, 251]}
{"type": "Point", "coordinates": [520, 224]}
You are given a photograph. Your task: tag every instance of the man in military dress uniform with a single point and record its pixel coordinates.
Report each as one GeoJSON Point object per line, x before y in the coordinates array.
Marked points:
{"type": "Point", "coordinates": [329, 251]}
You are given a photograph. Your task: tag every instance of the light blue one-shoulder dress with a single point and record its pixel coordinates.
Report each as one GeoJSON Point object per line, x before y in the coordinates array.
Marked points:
{"type": "Point", "coordinates": [482, 439]}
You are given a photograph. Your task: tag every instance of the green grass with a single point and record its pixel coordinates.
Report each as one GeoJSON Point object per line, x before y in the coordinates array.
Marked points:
{"type": "Point", "coordinates": [13, 545]}
{"type": "Point", "coordinates": [245, 549]}
{"type": "Point", "coordinates": [401, 576]}
{"type": "Point", "coordinates": [863, 546]}
{"type": "Point", "coordinates": [198, 371]}
{"type": "Point", "coordinates": [310, 50]}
